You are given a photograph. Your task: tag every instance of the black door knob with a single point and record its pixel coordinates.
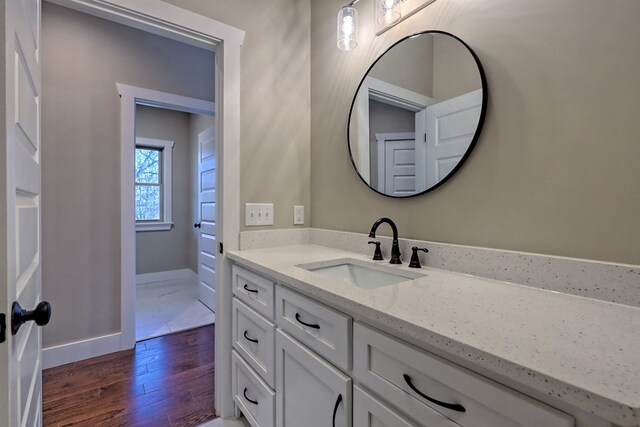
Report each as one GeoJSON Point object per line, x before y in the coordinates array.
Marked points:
{"type": "Point", "coordinates": [197, 225]}
{"type": "Point", "coordinates": [40, 315]}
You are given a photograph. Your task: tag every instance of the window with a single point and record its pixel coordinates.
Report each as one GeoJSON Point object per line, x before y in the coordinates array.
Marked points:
{"type": "Point", "coordinates": [153, 184]}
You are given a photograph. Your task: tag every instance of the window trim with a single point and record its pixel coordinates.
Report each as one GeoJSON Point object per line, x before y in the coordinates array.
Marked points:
{"type": "Point", "coordinates": [166, 154]}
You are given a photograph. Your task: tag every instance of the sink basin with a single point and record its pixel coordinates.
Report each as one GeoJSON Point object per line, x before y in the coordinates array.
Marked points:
{"type": "Point", "coordinates": [360, 273]}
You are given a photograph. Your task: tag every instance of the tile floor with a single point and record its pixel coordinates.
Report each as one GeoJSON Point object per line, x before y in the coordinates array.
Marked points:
{"type": "Point", "coordinates": [166, 307]}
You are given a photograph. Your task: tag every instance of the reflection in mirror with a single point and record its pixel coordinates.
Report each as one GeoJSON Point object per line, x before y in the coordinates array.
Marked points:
{"type": "Point", "coordinates": [417, 114]}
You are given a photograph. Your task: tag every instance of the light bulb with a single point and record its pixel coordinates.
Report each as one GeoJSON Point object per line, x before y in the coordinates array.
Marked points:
{"type": "Point", "coordinates": [388, 12]}
{"type": "Point", "coordinates": [347, 28]}
{"type": "Point", "coordinates": [347, 25]}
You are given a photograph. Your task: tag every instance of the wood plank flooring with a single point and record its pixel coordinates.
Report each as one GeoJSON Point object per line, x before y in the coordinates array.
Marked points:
{"type": "Point", "coordinates": [163, 382]}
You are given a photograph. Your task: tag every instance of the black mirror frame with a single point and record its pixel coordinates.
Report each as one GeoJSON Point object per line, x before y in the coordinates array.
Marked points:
{"type": "Point", "coordinates": [476, 136]}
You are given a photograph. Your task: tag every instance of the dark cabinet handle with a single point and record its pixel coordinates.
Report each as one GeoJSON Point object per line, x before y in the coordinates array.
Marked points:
{"type": "Point", "coordinates": [335, 409]}
{"type": "Point", "coordinates": [3, 328]}
{"type": "Point", "coordinates": [308, 325]}
{"type": "Point", "coordinates": [255, 402]}
{"type": "Point", "coordinates": [249, 339]}
{"type": "Point", "coordinates": [246, 288]}
{"type": "Point", "coordinates": [40, 315]}
{"type": "Point", "coordinates": [197, 225]}
{"type": "Point", "coordinates": [451, 406]}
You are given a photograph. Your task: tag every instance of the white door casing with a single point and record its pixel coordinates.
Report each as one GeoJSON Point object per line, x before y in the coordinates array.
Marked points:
{"type": "Point", "coordinates": [21, 275]}
{"type": "Point", "coordinates": [450, 128]}
{"type": "Point", "coordinates": [387, 93]}
{"type": "Point", "coordinates": [207, 248]}
{"type": "Point", "coordinates": [188, 27]}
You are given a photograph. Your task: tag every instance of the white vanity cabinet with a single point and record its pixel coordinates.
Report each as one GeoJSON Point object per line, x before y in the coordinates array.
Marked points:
{"type": "Point", "coordinates": [313, 366]}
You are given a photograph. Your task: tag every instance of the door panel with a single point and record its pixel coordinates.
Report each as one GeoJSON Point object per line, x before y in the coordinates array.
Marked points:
{"type": "Point", "coordinates": [450, 127]}
{"type": "Point", "coordinates": [207, 242]}
{"type": "Point", "coordinates": [20, 356]}
{"type": "Point", "coordinates": [399, 163]}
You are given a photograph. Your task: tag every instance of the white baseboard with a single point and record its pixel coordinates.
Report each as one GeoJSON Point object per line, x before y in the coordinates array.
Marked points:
{"type": "Point", "coordinates": [193, 276]}
{"type": "Point", "coordinates": [163, 276]}
{"type": "Point", "coordinates": [219, 422]}
{"type": "Point", "coordinates": [207, 296]}
{"type": "Point", "coordinates": [80, 350]}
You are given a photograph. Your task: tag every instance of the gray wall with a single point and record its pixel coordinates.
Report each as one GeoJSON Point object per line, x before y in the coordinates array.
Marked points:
{"type": "Point", "coordinates": [82, 58]}
{"type": "Point", "coordinates": [274, 100]}
{"type": "Point", "coordinates": [556, 168]}
{"type": "Point", "coordinates": [172, 249]}
{"type": "Point", "coordinates": [416, 73]}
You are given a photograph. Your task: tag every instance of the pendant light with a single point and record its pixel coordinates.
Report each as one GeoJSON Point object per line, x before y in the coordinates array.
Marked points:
{"type": "Point", "coordinates": [388, 12]}
{"type": "Point", "coordinates": [348, 27]}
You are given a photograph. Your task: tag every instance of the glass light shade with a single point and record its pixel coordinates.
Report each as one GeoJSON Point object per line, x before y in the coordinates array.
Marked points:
{"type": "Point", "coordinates": [347, 28]}
{"type": "Point", "coordinates": [388, 12]}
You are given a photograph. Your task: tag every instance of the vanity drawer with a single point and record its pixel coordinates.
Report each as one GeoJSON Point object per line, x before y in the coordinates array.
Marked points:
{"type": "Point", "coordinates": [255, 399]}
{"type": "Point", "coordinates": [419, 382]}
{"type": "Point", "coordinates": [368, 411]}
{"type": "Point", "coordinates": [254, 339]}
{"type": "Point", "coordinates": [254, 290]}
{"type": "Point", "coordinates": [319, 327]}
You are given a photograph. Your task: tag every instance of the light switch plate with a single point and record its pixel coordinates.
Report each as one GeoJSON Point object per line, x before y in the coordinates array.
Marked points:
{"type": "Point", "coordinates": [258, 214]}
{"type": "Point", "coordinates": [298, 215]}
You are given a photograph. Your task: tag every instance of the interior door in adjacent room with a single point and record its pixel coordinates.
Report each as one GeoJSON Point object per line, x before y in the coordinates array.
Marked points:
{"type": "Point", "coordinates": [207, 247]}
{"type": "Point", "coordinates": [20, 269]}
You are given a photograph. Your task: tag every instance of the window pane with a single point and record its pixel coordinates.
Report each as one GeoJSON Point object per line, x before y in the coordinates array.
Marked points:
{"type": "Point", "coordinates": [147, 203]}
{"type": "Point", "coordinates": [147, 166]}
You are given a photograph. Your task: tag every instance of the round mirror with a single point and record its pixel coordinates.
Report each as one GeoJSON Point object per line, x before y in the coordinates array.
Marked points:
{"type": "Point", "coordinates": [417, 114]}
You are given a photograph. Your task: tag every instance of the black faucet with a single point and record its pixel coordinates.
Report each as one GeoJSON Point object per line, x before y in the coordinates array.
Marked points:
{"type": "Point", "coordinates": [395, 249]}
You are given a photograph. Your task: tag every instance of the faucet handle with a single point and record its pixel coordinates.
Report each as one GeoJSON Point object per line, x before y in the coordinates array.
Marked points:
{"type": "Point", "coordinates": [415, 260]}
{"type": "Point", "coordinates": [377, 255]}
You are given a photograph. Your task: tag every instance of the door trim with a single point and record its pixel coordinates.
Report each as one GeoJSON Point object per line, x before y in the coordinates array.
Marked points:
{"type": "Point", "coordinates": [130, 96]}
{"type": "Point", "coordinates": [180, 24]}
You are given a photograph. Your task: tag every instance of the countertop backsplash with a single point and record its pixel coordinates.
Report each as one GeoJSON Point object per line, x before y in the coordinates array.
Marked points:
{"type": "Point", "coordinates": [617, 283]}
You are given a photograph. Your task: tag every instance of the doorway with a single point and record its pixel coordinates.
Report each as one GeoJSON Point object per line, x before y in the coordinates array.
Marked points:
{"type": "Point", "coordinates": [175, 281]}
{"type": "Point", "coordinates": [187, 27]}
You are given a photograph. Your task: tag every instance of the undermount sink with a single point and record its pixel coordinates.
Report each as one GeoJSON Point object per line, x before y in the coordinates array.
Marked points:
{"type": "Point", "coordinates": [360, 273]}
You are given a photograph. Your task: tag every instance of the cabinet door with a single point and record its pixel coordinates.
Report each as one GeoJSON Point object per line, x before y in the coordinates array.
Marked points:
{"type": "Point", "coordinates": [368, 411]}
{"type": "Point", "coordinates": [311, 392]}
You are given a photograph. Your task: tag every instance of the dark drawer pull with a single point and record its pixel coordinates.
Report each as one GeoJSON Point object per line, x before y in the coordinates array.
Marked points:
{"type": "Point", "coordinates": [335, 409]}
{"type": "Point", "coordinates": [255, 402]}
{"type": "Point", "coordinates": [308, 325]}
{"type": "Point", "coordinates": [451, 406]}
{"type": "Point", "coordinates": [249, 339]}
{"type": "Point", "coordinates": [246, 288]}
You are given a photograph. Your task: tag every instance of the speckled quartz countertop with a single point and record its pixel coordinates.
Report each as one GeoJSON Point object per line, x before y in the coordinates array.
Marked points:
{"type": "Point", "coordinates": [581, 351]}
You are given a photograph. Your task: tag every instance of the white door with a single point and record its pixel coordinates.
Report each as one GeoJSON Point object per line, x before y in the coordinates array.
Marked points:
{"type": "Point", "coordinates": [207, 247]}
{"type": "Point", "coordinates": [311, 392]}
{"type": "Point", "coordinates": [399, 164]}
{"type": "Point", "coordinates": [450, 127]}
{"type": "Point", "coordinates": [21, 277]}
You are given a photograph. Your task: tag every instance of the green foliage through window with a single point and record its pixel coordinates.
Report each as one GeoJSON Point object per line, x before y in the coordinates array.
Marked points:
{"type": "Point", "coordinates": [148, 184]}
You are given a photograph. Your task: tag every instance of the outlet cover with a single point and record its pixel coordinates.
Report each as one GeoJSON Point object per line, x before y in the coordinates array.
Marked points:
{"type": "Point", "coordinates": [298, 215]}
{"type": "Point", "coordinates": [258, 214]}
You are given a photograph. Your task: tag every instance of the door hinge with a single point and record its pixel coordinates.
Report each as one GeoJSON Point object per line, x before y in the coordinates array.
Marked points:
{"type": "Point", "coordinates": [3, 327]}
{"type": "Point", "coordinates": [425, 137]}
{"type": "Point", "coordinates": [221, 247]}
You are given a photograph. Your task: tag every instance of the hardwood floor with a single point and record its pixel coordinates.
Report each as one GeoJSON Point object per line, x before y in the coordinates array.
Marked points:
{"type": "Point", "coordinates": [163, 382]}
